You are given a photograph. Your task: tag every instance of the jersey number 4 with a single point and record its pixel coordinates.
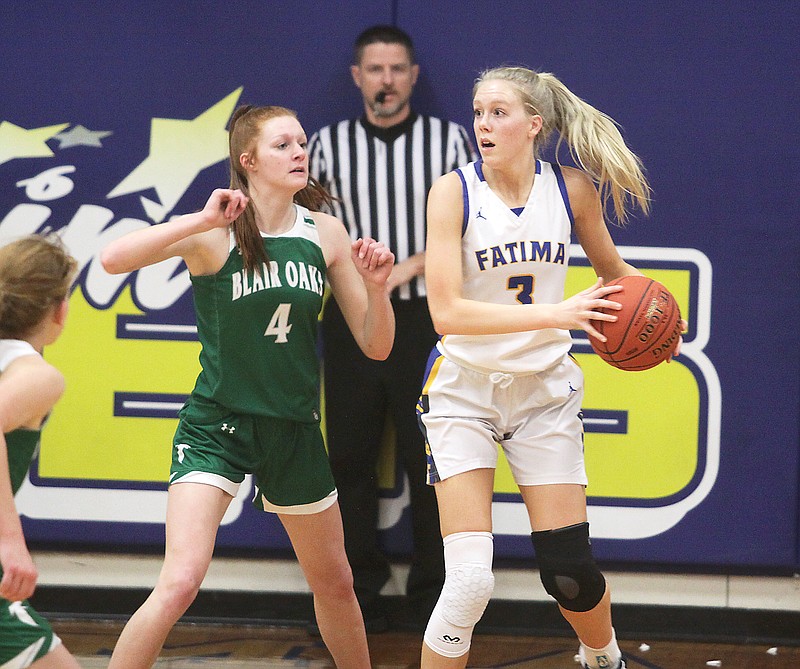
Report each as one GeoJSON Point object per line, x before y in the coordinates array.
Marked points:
{"type": "Point", "coordinates": [279, 325]}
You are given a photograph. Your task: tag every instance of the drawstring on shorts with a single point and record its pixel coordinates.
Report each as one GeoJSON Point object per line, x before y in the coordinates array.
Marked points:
{"type": "Point", "coordinates": [501, 379]}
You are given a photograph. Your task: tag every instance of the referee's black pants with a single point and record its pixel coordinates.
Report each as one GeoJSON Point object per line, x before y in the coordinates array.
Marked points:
{"type": "Point", "coordinates": [360, 393]}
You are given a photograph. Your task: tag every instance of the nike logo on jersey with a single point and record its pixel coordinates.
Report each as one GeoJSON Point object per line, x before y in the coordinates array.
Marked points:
{"type": "Point", "coordinates": [295, 274]}
{"type": "Point", "coordinates": [521, 251]}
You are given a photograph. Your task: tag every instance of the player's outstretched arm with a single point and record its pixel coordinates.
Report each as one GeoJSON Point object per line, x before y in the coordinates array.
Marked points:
{"type": "Point", "coordinates": [177, 237]}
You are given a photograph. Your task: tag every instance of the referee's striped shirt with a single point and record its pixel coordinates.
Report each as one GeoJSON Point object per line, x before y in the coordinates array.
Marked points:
{"type": "Point", "coordinates": [381, 177]}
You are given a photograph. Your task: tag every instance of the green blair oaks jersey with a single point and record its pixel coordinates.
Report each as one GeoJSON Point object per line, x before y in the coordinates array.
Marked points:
{"type": "Point", "coordinates": [258, 330]}
{"type": "Point", "coordinates": [21, 444]}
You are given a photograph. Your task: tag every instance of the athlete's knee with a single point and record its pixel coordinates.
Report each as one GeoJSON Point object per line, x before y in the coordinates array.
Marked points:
{"type": "Point", "coordinates": [567, 568]}
{"type": "Point", "coordinates": [175, 596]}
{"type": "Point", "coordinates": [177, 590]}
{"type": "Point", "coordinates": [468, 586]}
{"type": "Point", "coordinates": [331, 581]}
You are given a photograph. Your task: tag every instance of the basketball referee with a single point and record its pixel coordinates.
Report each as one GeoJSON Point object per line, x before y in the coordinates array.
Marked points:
{"type": "Point", "coordinates": [380, 167]}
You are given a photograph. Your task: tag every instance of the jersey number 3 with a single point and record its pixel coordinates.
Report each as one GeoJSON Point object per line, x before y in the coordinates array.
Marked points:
{"type": "Point", "coordinates": [279, 325]}
{"type": "Point", "coordinates": [523, 284]}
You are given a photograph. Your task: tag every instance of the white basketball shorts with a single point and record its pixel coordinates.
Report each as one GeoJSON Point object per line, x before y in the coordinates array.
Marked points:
{"type": "Point", "coordinates": [535, 418]}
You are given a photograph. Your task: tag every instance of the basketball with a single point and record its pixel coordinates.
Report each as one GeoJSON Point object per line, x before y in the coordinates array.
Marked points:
{"type": "Point", "coordinates": [647, 329]}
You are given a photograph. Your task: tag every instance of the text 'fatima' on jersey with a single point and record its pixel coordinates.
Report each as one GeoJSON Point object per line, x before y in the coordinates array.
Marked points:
{"type": "Point", "coordinates": [295, 274]}
{"type": "Point", "coordinates": [520, 251]}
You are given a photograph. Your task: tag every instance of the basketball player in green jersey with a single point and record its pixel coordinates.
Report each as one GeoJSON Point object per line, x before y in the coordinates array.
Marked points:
{"type": "Point", "coordinates": [35, 278]}
{"type": "Point", "coordinates": [259, 261]}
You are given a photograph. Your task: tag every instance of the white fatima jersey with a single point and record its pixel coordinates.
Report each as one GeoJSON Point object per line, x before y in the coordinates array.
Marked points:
{"type": "Point", "coordinates": [513, 259]}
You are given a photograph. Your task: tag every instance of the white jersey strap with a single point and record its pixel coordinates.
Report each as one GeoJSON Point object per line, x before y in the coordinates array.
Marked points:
{"type": "Point", "coordinates": [11, 349]}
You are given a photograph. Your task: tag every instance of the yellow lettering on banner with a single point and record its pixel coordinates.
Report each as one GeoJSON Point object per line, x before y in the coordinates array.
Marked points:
{"type": "Point", "coordinates": [656, 457]}
{"type": "Point", "coordinates": [83, 439]}
{"type": "Point", "coordinates": [658, 454]}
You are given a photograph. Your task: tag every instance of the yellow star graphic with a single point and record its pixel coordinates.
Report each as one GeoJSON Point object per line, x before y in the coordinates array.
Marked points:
{"type": "Point", "coordinates": [16, 142]}
{"type": "Point", "coordinates": [179, 151]}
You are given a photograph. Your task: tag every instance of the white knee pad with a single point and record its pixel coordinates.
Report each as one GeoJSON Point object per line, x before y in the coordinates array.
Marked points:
{"type": "Point", "coordinates": [468, 586]}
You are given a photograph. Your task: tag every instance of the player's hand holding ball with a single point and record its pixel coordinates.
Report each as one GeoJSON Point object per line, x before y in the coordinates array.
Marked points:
{"type": "Point", "coordinates": [647, 330]}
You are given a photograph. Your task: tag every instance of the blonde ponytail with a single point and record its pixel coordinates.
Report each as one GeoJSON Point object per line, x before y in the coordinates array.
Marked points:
{"type": "Point", "coordinates": [594, 140]}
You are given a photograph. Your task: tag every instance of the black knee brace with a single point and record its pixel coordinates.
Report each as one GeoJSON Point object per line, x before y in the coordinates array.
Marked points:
{"type": "Point", "coordinates": [567, 568]}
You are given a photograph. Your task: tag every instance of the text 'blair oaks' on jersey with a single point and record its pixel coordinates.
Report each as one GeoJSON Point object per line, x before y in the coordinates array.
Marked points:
{"type": "Point", "coordinates": [296, 274]}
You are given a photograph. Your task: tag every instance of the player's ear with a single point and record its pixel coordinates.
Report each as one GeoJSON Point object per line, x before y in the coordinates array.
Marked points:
{"type": "Point", "coordinates": [536, 125]}
{"type": "Point", "coordinates": [61, 312]}
{"type": "Point", "coordinates": [246, 161]}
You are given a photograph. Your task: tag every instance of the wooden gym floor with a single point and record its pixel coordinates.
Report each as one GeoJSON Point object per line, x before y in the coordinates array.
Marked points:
{"type": "Point", "coordinates": [237, 630]}
{"type": "Point", "coordinates": [198, 645]}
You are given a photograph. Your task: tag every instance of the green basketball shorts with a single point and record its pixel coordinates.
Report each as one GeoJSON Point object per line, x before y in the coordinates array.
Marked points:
{"type": "Point", "coordinates": [24, 635]}
{"type": "Point", "coordinates": [287, 458]}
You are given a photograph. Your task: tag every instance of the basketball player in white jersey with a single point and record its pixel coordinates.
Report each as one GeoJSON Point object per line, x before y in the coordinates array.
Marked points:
{"type": "Point", "coordinates": [497, 253]}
